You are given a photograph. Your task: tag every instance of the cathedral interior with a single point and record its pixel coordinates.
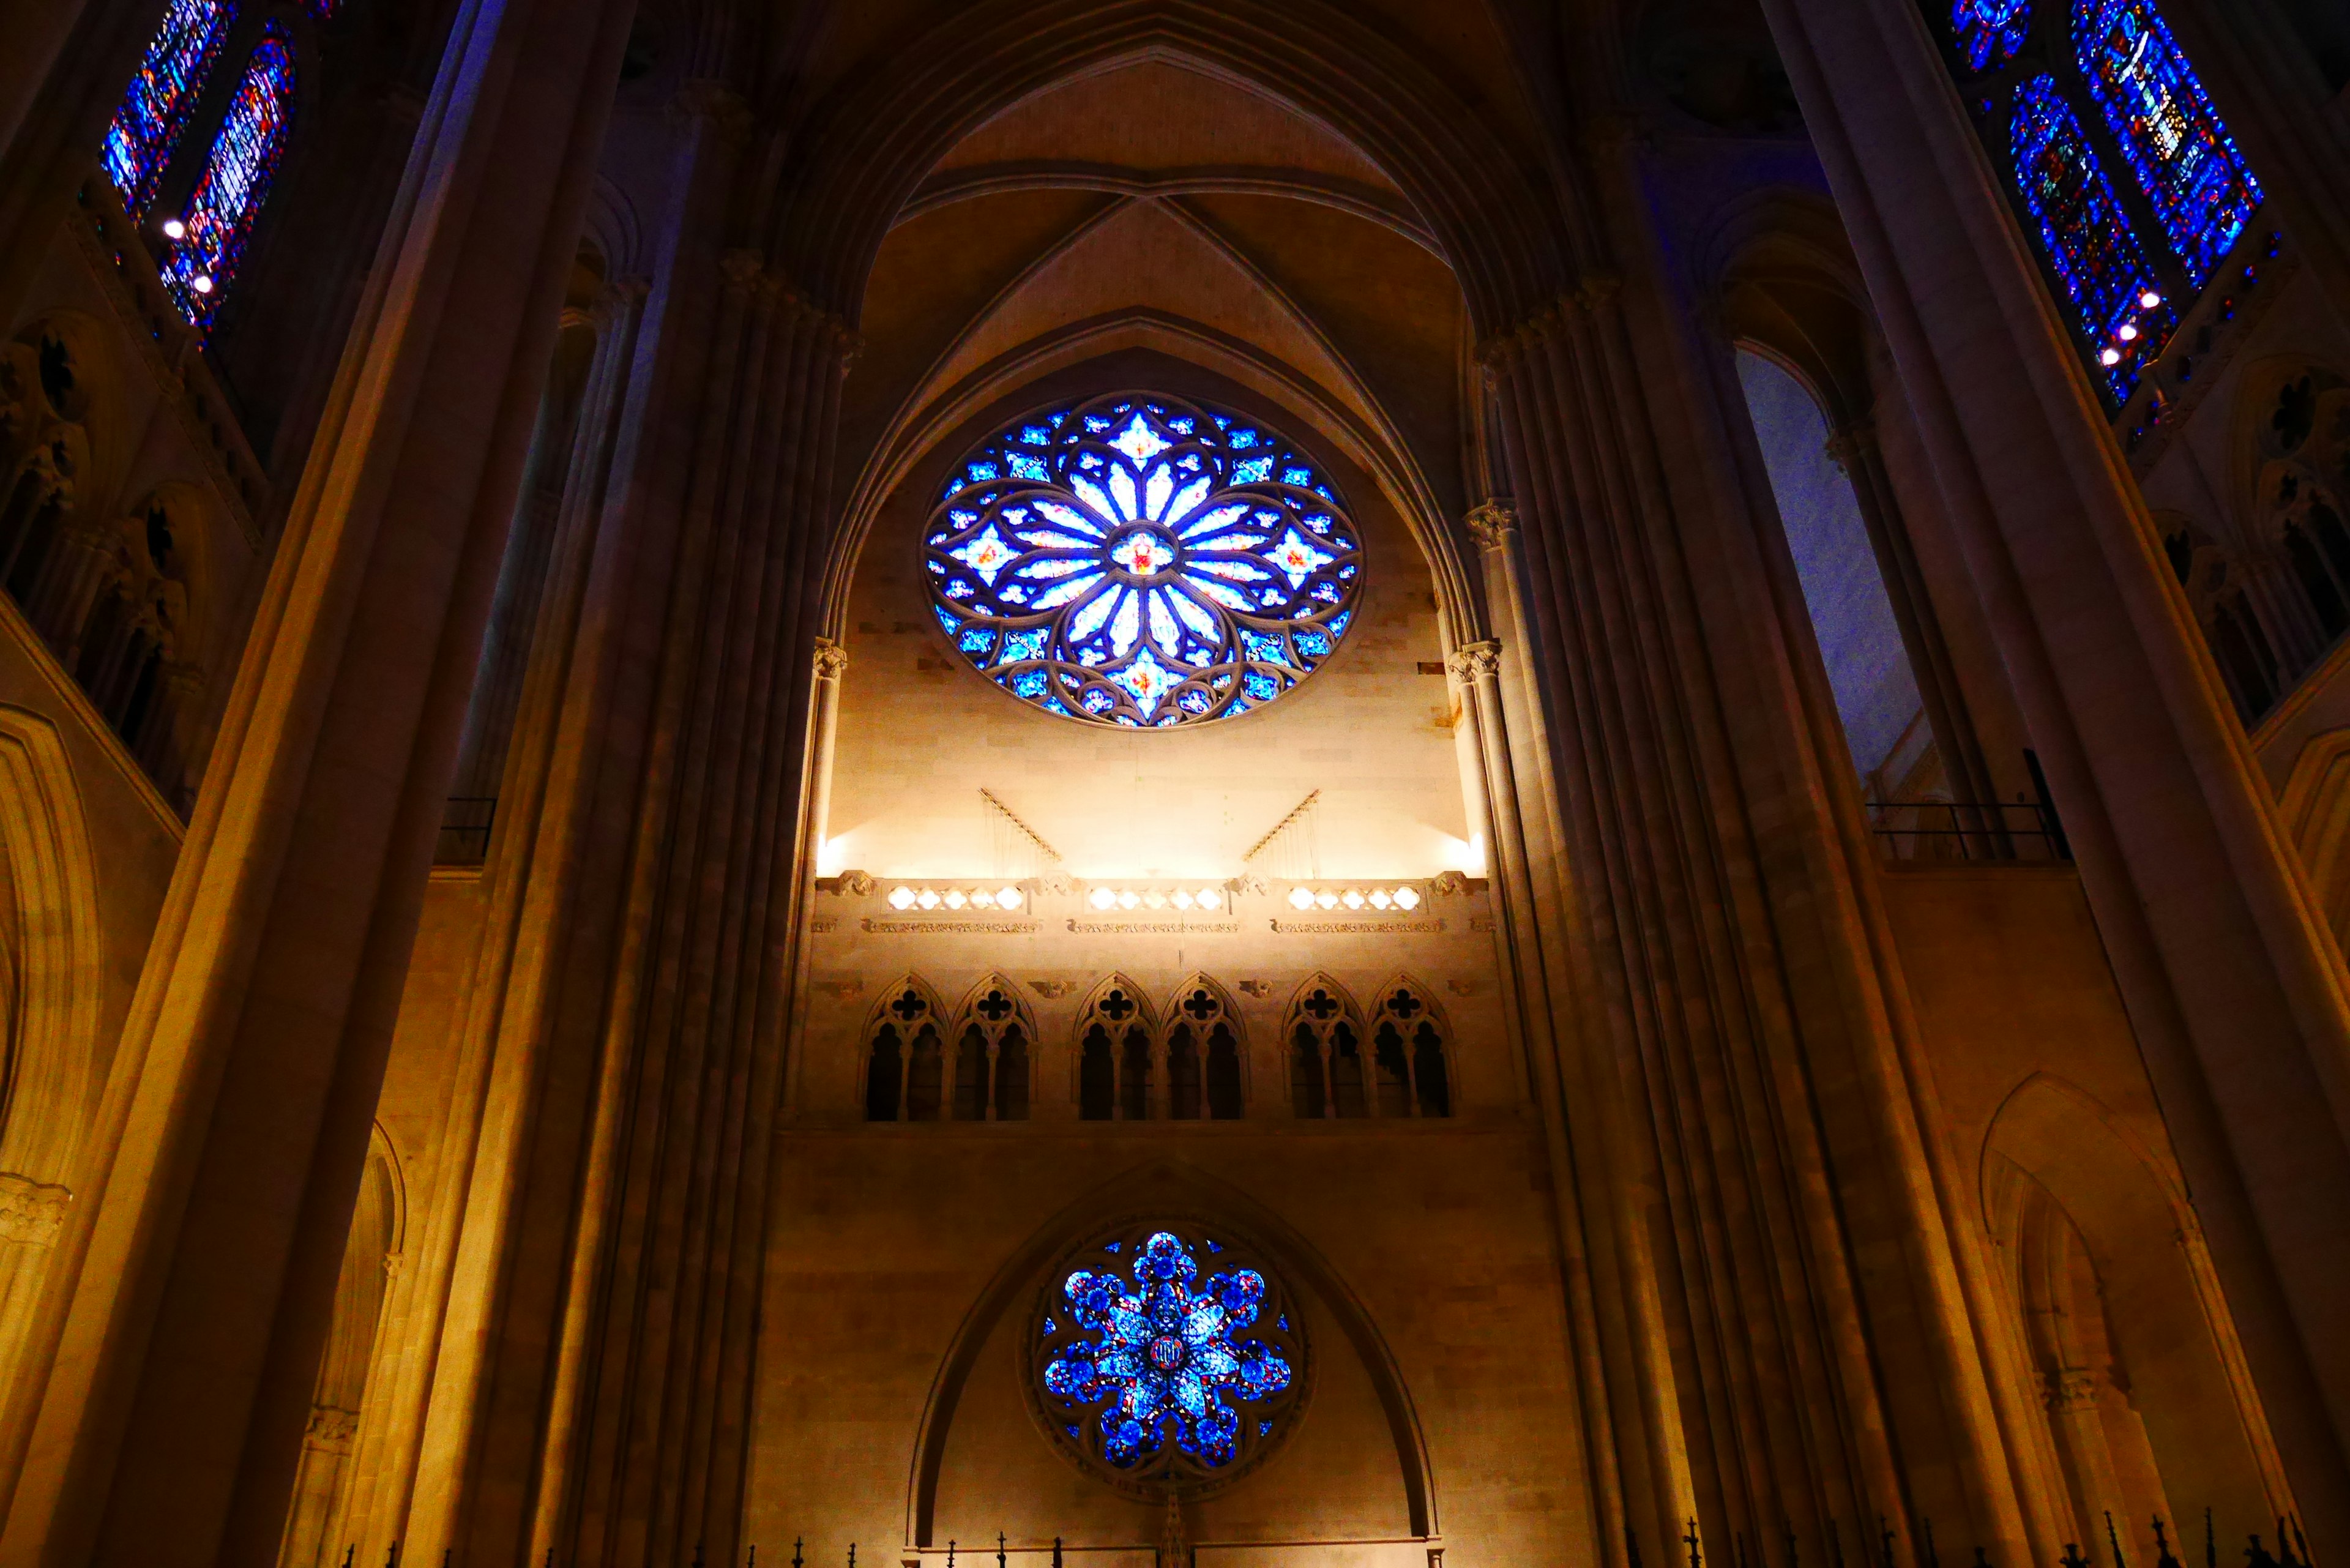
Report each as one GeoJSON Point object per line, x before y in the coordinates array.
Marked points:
{"type": "Point", "coordinates": [1174, 784]}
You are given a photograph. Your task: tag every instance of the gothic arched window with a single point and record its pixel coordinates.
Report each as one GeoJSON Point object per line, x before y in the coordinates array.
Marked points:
{"type": "Point", "coordinates": [1113, 1070]}
{"type": "Point", "coordinates": [155, 111]}
{"type": "Point", "coordinates": [1407, 1056]}
{"type": "Point", "coordinates": [2203, 192]}
{"type": "Point", "coordinates": [1325, 1053]}
{"type": "Point", "coordinates": [1142, 561]}
{"type": "Point", "coordinates": [2128, 258]}
{"type": "Point", "coordinates": [2116, 297]}
{"type": "Point", "coordinates": [991, 1055]}
{"type": "Point", "coordinates": [904, 1074]}
{"type": "Point", "coordinates": [212, 232]}
{"type": "Point", "coordinates": [1989, 32]}
{"type": "Point", "coordinates": [1203, 1055]}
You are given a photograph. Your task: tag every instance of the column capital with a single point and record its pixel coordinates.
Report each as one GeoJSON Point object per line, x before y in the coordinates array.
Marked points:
{"type": "Point", "coordinates": [831, 659]}
{"type": "Point", "coordinates": [715, 101]}
{"type": "Point", "coordinates": [1492, 522]}
{"type": "Point", "coordinates": [1476, 661]}
{"type": "Point", "coordinates": [742, 268]}
{"type": "Point", "coordinates": [1855, 437]}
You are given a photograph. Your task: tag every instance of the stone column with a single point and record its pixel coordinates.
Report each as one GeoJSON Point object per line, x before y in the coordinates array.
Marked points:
{"type": "Point", "coordinates": [2236, 991]}
{"type": "Point", "coordinates": [204, 1255]}
{"type": "Point", "coordinates": [1793, 1236]}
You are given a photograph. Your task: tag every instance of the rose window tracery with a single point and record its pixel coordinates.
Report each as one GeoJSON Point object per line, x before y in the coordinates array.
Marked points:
{"type": "Point", "coordinates": [1142, 561]}
{"type": "Point", "coordinates": [1164, 1361]}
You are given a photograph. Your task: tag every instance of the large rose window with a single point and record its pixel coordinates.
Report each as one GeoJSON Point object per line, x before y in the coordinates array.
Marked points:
{"type": "Point", "coordinates": [1142, 561]}
{"type": "Point", "coordinates": [1163, 1361]}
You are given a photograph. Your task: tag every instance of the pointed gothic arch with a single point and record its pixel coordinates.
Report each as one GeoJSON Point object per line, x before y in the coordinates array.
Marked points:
{"type": "Point", "coordinates": [54, 973]}
{"type": "Point", "coordinates": [992, 1050]}
{"type": "Point", "coordinates": [1324, 1044]}
{"type": "Point", "coordinates": [873, 142]}
{"type": "Point", "coordinates": [1116, 1057]}
{"type": "Point", "coordinates": [1411, 1062]}
{"type": "Point", "coordinates": [901, 1052]}
{"type": "Point", "coordinates": [1203, 1020]}
{"type": "Point", "coordinates": [1178, 1191]}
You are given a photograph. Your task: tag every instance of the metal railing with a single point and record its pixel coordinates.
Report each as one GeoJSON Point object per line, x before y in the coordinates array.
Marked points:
{"type": "Point", "coordinates": [1944, 830]}
{"type": "Point", "coordinates": [465, 824]}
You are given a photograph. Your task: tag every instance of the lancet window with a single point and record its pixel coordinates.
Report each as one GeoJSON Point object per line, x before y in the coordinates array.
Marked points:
{"type": "Point", "coordinates": [992, 1042]}
{"type": "Point", "coordinates": [217, 225]}
{"type": "Point", "coordinates": [1135, 1065]}
{"type": "Point", "coordinates": [1408, 1054]}
{"type": "Point", "coordinates": [201, 240]}
{"type": "Point", "coordinates": [2126, 174]}
{"type": "Point", "coordinates": [161, 99]}
{"type": "Point", "coordinates": [904, 1059]}
{"type": "Point", "coordinates": [1325, 1036]}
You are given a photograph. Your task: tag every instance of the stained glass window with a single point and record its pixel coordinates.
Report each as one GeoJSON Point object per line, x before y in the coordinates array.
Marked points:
{"type": "Point", "coordinates": [1142, 561]}
{"type": "Point", "coordinates": [1165, 1360]}
{"type": "Point", "coordinates": [228, 197]}
{"type": "Point", "coordinates": [146, 128]}
{"type": "Point", "coordinates": [1989, 32]}
{"type": "Point", "coordinates": [2114, 291]}
{"type": "Point", "coordinates": [2176, 142]}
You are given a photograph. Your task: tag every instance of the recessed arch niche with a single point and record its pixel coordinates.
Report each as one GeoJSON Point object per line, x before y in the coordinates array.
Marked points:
{"type": "Point", "coordinates": [1355, 1469]}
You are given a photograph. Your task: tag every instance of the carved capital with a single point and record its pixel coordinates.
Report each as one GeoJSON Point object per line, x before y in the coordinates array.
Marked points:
{"type": "Point", "coordinates": [741, 268]}
{"type": "Point", "coordinates": [1492, 522]}
{"type": "Point", "coordinates": [1598, 290]}
{"type": "Point", "coordinates": [1476, 661]}
{"type": "Point", "coordinates": [715, 102]}
{"type": "Point", "coordinates": [30, 1211]}
{"type": "Point", "coordinates": [848, 885]}
{"type": "Point", "coordinates": [831, 659]}
{"type": "Point", "coordinates": [2070, 1388]}
{"type": "Point", "coordinates": [1850, 440]}
{"type": "Point", "coordinates": [331, 1428]}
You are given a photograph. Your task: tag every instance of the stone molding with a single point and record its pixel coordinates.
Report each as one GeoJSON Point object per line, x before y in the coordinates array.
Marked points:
{"type": "Point", "coordinates": [1155, 928]}
{"type": "Point", "coordinates": [953, 928]}
{"type": "Point", "coordinates": [31, 1212]}
{"type": "Point", "coordinates": [1363, 927]}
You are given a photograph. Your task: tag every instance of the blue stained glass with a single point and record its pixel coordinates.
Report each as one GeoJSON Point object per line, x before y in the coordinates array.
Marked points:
{"type": "Point", "coordinates": [2176, 142]}
{"type": "Point", "coordinates": [2115, 298]}
{"type": "Point", "coordinates": [235, 182]}
{"type": "Point", "coordinates": [1164, 1355]}
{"type": "Point", "coordinates": [1142, 573]}
{"type": "Point", "coordinates": [154, 113]}
{"type": "Point", "coordinates": [1989, 32]}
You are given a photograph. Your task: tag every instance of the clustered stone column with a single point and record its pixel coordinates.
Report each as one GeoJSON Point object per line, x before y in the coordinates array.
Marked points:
{"type": "Point", "coordinates": [2236, 991]}
{"type": "Point", "coordinates": [1735, 1293]}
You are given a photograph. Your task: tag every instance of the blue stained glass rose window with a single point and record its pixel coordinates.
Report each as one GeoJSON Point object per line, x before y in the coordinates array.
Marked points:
{"type": "Point", "coordinates": [1143, 561]}
{"type": "Point", "coordinates": [1165, 1360]}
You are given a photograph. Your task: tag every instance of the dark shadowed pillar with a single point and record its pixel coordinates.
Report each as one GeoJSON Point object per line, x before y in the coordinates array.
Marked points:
{"type": "Point", "coordinates": [2236, 991]}
{"type": "Point", "coordinates": [244, 1085]}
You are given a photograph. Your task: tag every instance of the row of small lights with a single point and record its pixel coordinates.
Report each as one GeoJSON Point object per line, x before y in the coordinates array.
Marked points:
{"type": "Point", "coordinates": [1354, 898]}
{"type": "Point", "coordinates": [2128, 333]}
{"type": "Point", "coordinates": [1107, 898]}
{"type": "Point", "coordinates": [176, 231]}
{"type": "Point", "coordinates": [956, 899]}
{"type": "Point", "coordinates": [1156, 899]}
